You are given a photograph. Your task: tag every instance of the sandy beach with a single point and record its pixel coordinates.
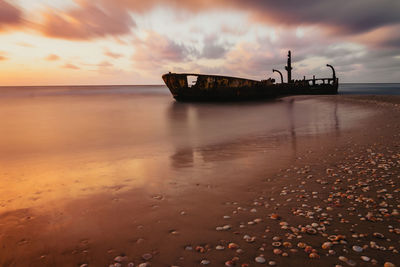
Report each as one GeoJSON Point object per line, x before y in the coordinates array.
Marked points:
{"type": "Point", "coordinates": [320, 197]}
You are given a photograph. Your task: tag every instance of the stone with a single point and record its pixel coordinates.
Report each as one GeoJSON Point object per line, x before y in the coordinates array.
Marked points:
{"type": "Point", "coordinates": [147, 256]}
{"type": "Point", "coordinates": [260, 259]}
{"type": "Point", "coordinates": [365, 258]}
{"type": "Point", "coordinates": [233, 246]}
{"type": "Point", "coordinates": [313, 255]}
{"type": "Point", "coordinates": [357, 248]}
{"type": "Point", "coordinates": [277, 251]}
{"type": "Point", "coordinates": [205, 262]}
{"type": "Point", "coordinates": [327, 245]}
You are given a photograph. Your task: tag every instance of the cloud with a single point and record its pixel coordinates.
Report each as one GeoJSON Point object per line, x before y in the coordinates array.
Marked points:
{"type": "Point", "coordinates": [3, 56]}
{"type": "Point", "coordinates": [108, 53]}
{"type": "Point", "coordinates": [156, 49]}
{"type": "Point", "coordinates": [212, 48]}
{"type": "Point", "coordinates": [9, 15]}
{"type": "Point", "coordinates": [104, 64]}
{"type": "Point", "coordinates": [343, 16]}
{"type": "Point", "coordinates": [384, 37]}
{"type": "Point", "coordinates": [87, 21]}
{"type": "Point", "coordinates": [71, 66]}
{"type": "Point", "coordinates": [52, 57]}
{"type": "Point", "coordinates": [25, 44]}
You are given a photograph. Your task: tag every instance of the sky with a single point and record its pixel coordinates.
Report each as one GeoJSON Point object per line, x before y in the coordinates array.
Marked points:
{"type": "Point", "coordinates": [92, 42]}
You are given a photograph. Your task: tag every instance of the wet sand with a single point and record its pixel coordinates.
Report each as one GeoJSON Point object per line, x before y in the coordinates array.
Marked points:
{"type": "Point", "coordinates": [261, 195]}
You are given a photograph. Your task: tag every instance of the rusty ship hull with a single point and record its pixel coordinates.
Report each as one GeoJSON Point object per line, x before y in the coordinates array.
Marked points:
{"type": "Point", "coordinates": [214, 87]}
{"type": "Point", "coordinates": [202, 87]}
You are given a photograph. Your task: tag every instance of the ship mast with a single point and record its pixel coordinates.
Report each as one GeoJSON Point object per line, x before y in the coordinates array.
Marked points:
{"type": "Point", "coordinates": [289, 67]}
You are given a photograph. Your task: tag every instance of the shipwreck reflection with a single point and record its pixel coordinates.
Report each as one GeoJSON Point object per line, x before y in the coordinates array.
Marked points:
{"type": "Point", "coordinates": [210, 132]}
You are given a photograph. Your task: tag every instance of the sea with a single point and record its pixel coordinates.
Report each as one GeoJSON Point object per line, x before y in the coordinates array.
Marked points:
{"type": "Point", "coordinates": [53, 136]}
{"type": "Point", "coordinates": [100, 168]}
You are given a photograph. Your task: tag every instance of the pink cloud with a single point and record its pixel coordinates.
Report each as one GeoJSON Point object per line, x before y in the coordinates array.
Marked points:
{"type": "Point", "coordinates": [3, 56]}
{"type": "Point", "coordinates": [387, 37]}
{"type": "Point", "coordinates": [88, 21]}
{"type": "Point", "coordinates": [71, 66]}
{"type": "Point", "coordinates": [52, 57]}
{"type": "Point", "coordinates": [104, 64]}
{"type": "Point", "coordinates": [108, 53]}
{"type": "Point", "coordinates": [346, 17]}
{"type": "Point", "coordinates": [9, 15]}
{"type": "Point", "coordinates": [157, 48]}
{"type": "Point", "coordinates": [24, 44]}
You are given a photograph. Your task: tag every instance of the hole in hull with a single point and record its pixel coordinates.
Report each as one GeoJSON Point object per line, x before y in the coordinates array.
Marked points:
{"type": "Point", "coordinates": [191, 80]}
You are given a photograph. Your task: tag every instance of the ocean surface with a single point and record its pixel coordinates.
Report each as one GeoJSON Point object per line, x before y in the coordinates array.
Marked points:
{"type": "Point", "coordinates": [53, 136]}
{"type": "Point", "coordinates": [344, 88]}
{"type": "Point", "coordinates": [82, 161]}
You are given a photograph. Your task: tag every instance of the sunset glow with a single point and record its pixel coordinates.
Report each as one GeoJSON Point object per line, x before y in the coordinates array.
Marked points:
{"type": "Point", "coordinates": [134, 42]}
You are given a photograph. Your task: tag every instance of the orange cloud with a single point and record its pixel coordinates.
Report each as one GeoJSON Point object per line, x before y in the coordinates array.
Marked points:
{"type": "Point", "coordinates": [87, 21]}
{"type": "Point", "coordinates": [104, 64]}
{"type": "Point", "coordinates": [3, 56]}
{"type": "Point", "coordinates": [9, 15]}
{"type": "Point", "coordinates": [71, 66]}
{"type": "Point", "coordinates": [108, 53]}
{"type": "Point", "coordinates": [52, 57]}
{"type": "Point", "coordinates": [387, 37]}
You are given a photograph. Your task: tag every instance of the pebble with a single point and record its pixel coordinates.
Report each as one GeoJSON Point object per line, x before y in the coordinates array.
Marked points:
{"type": "Point", "coordinates": [119, 259]}
{"type": "Point", "coordinates": [230, 263]}
{"type": "Point", "coordinates": [351, 263]}
{"type": "Point", "coordinates": [233, 246]}
{"type": "Point", "coordinates": [272, 263]}
{"type": "Point", "coordinates": [205, 262]}
{"type": "Point", "coordinates": [260, 259]}
{"type": "Point", "coordinates": [365, 258]}
{"type": "Point", "coordinates": [327, 245]}
{"type": "Point", "coordinates": [275, 216]}
{"type": "Point", "coordinates": [313, 255]}
{"type": "Point", "coordinates": [389, 264]}
{"type": "Point", "coordinates": [357, 248]}
{"type": "Point", "coordinates": [277, 251]}
{"type": "Point", "coordinates": [147, 256]}
{"type": "Point", "coordinates": [276, 244]}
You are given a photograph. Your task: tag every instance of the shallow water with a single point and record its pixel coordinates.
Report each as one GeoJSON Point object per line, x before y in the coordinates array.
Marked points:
{"type": "Point", "coordinates": [77, 163]}
{"type": "Point", "coordinates": [51, 137]}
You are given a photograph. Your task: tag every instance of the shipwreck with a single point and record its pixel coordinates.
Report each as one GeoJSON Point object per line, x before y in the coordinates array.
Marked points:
{"type": "Point", "coordinates": [202, 87]}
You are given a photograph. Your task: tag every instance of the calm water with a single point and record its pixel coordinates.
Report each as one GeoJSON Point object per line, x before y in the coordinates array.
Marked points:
{"type": "Point", "coordinates": [103, 134]}
{"type": "Point", "coordinates": [369, 88]}
{"type": "Point", "coordinates": [79, 163]}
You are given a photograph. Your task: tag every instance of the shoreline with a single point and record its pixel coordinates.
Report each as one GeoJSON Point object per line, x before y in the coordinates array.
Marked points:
{"type": "Point", "coordinates": [167, 227]}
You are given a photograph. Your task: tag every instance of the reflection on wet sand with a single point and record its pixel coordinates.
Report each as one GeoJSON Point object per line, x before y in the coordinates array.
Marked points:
{"type": "Point", "coordinates": [190, 122]}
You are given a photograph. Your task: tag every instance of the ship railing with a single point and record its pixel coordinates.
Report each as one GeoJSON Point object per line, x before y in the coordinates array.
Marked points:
{"type": "Point", "coordinates": [321, 81]}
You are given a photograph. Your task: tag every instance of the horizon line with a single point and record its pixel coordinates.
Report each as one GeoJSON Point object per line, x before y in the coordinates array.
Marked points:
{"type": "Point", "coordinates": [93, 85]}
